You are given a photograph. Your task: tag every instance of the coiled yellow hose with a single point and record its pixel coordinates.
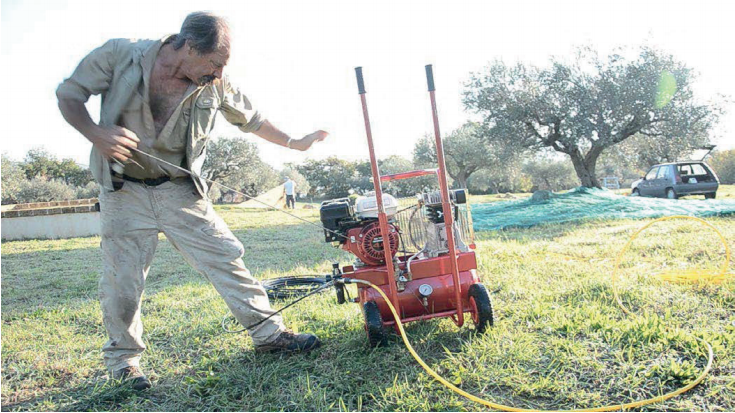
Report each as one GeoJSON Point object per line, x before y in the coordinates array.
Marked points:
{"type": "Point", "coordinates": [630, 405]}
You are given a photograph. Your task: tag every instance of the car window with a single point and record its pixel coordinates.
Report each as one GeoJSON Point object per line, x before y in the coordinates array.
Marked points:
{"type": "Point", "coordinates": [663, 172]}
{"type": "Point", "coordinates": [685, 170]}
{"type": "Point", "coordinates": [652, 173]}
{"type": "Point", "coordinates": [698, 170]}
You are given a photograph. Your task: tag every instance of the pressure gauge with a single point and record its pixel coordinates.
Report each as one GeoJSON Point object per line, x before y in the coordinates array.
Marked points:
{"type": "Point", "coordinates": [425, 290]}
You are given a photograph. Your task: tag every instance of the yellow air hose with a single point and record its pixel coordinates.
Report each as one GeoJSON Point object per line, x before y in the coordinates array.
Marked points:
{"type": "Point", "coordinates": [630, 405]}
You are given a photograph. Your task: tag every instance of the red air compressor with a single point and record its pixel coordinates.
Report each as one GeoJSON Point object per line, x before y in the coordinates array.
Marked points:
{"type": "Point", "coordinates": [438, 278]}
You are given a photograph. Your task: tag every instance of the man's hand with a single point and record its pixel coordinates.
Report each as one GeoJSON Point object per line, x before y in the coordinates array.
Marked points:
{"type": "Point", "coordinates": [114, 142]}
{"type": "Point", "coordinates": [308, 140]}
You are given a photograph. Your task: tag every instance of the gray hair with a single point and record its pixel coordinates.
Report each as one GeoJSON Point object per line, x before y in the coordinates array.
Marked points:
{"type": "Point", "coordinates": [205, 32]}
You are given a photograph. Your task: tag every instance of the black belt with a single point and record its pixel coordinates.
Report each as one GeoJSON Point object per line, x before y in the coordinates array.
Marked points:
{"type": "Point", "coordinates": [147, 181]}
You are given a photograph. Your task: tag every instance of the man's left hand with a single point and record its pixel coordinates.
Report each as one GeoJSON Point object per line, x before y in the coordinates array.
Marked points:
{"type": "Point", "coordinates": [308, 140]}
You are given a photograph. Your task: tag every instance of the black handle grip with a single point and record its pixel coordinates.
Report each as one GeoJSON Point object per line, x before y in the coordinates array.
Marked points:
{"type": "Point", "coordinates": [430, 78]}
{"type": "Point", "coordinates": [360, 83]}
{"type": "Point", "coordinates": [340, 289]}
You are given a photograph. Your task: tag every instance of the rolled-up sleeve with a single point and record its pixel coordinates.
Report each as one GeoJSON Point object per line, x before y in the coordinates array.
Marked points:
{"type": "Point", "coordinates": [238, 110]}
{"type": "Point", "coordinates": [92, 76]}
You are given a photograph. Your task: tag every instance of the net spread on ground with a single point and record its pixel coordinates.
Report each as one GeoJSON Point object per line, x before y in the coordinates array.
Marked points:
{"type": "Point", "coordinates": [582, 204]}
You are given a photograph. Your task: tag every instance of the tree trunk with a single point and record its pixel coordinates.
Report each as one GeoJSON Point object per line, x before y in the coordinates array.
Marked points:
{"type": "Point", "coordinates": [460, 180]}
{"type": "Point", "coordinates": [494, 188]}
{"type": "Point", "coordinates": [585, 168]}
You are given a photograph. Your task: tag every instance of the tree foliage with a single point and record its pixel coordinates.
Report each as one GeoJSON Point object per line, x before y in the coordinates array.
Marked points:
{"type": "Point", "coordinates": [582, 107]}
{"type": "Point", "coordinates": [621, 161]}
{"type": "Point", "coordinates": [39, 163]}
{"type": "Point", "coordinates": [227, 156]}
{"type": "Point", "coordinates": [406, 187]}
{"type": "Point", "coordinates": [465, 152]}
{"type": "Point", "coordinates": [331, 177]}
{"type": "Point", "coordinates": [12, 179]}
{"type": "Point", "coordinates": [499, 180]}
{"type": "Point", "coordinates": [41, 177]}
{"type": "Point", "coordinates": [723, 162]}
{"type": "Point", "coordinates": [550, 175]}
{"type": "Point", "coordinates": [289, 171]}
{"type": "Point", "coordinates": [236, 163]}
{"type": "Point", "coordinates": [649, 151]}
{"type": "Point", "coordinates": [337, 178]}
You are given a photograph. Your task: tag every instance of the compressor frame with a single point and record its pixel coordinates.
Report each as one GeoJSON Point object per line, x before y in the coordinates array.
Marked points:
{"type": "Point", "coordinates": [449, 280]}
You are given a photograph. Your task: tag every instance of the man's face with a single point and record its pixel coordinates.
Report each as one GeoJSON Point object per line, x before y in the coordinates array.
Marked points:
{"type": "Point", "coordinates": [203, 69]}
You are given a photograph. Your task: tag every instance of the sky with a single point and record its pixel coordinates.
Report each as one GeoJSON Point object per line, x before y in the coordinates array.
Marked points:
{"type": "Point", "coordinates": [295, 59]}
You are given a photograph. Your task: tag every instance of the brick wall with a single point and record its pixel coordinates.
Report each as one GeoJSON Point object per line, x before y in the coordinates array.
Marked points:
{"type": "Point", "coordinates": [51, 208]}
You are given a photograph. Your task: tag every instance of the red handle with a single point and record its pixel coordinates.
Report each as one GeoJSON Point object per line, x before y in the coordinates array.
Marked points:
{"type": "Point", "coordinates": [406, 175]}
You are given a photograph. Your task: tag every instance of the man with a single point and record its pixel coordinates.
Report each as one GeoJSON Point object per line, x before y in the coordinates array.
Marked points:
{"type": "Point", "coordinates": [161, 97]}
{"type": "Point", "coordinates": [288, 188]}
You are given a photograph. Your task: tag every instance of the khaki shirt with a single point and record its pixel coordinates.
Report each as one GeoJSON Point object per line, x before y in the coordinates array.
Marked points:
{"type": "Point", "coordinates": [120, 71]}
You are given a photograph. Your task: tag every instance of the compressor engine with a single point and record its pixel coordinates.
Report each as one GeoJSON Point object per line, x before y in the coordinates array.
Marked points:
{"type": "Point", "coordinates": [357, 229]}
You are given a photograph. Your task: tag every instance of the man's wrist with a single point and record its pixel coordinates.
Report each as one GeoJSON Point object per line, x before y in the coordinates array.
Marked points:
{"type": "Point", "coordinates": [296, 144]}
{"type": "Point", "coordinates": [288, 143]}
{"type": "Point", "coordinates": [92, 133]}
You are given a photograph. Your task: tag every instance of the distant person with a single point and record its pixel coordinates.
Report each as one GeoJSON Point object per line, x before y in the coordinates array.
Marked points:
{"type": "Point", "coordinates": [289, 188]}
{"type": "Point", "coordinates": [162, 97]}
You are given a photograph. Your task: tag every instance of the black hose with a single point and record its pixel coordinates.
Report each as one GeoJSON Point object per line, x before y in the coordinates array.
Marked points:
{"type": "Point", "coordinates": [291, 287]}
{"type": "Point", "coordinates": [323, 286]}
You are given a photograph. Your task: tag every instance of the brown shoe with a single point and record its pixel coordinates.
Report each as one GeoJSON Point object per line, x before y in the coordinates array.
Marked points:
{"type": "Point", "coordinates": [133, 375]}
{"type": "Point", "coordinates": [287, 341]}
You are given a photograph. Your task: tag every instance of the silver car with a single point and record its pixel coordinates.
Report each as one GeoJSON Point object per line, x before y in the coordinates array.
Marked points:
{"type": "Point", "coordinates": [672, 180]}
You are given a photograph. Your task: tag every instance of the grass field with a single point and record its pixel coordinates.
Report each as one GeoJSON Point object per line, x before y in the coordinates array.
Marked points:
{"type": "Point", "coordinates": [559, 341]}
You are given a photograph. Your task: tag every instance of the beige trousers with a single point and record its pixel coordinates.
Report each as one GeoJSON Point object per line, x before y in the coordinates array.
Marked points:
{"type": "Point", "coordinates": [132, 217]}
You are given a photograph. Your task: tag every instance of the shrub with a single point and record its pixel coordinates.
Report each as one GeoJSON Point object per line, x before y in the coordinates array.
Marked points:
{"type": "Point", "coordinates": [91, 190]}
{"type": "Point", "coordinates": [12, 179]}
{"type": "Point", "coordinates": [551, 175]}
{"type": "Point", "coordinates": [41, 190]}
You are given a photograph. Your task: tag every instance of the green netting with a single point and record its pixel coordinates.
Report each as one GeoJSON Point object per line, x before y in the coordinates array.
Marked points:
{"type": "Point", "coordinates": [588, 204]}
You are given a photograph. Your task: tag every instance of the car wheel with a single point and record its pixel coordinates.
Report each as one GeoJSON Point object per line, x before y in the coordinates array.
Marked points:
{"type": "Point", "coordinates": [671, 194]}
{"type": "Point", "coordinates": [710, 195]}
{"type": "Point", "coordinates": [635, 192]}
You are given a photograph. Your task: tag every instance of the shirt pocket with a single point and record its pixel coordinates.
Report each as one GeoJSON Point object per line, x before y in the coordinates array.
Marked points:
{"type": "Point", "coordinates": [203, 115]}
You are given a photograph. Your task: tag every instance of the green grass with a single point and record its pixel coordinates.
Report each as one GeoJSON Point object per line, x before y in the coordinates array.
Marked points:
{"type": "Point", "coordinates": [559, 341]}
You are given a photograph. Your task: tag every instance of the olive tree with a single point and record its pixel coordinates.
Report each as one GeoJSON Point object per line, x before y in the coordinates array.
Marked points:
{"type": "Point", "coordinates": [235, 162]}
{"type": "Point", "coordinates": [329, 178]}
{"type": "Point", "coordinates": [466, 151]}
{"type": "Point", "coordinates": [583, 106]}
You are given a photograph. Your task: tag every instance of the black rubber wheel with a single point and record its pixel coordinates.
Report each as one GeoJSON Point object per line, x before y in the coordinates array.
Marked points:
{"type": "Point", "coordinates": [671, 194]}
{"type": "Point", "coordinates": [482, 306]}
{"type": "Point", "coordinates": [710, 195]}
{"type": "Point", "coordinates": [636, 192]}
{"type": "Point", "coordinates": [377, 336]}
